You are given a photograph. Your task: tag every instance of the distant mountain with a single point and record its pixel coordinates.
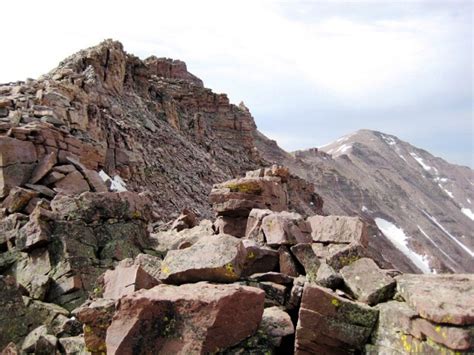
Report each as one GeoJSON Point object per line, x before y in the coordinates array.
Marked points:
{"type": "Point", "coordinates": [423, 204]}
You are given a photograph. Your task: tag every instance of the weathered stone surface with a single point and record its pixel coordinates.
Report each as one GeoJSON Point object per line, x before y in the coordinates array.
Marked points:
{"type": "Point", "coordinates": [325, 319]}
{"type": "Point", "coordinates": [44, 166]}
{"type": "Point", "coordinates": [285, 228]}
{"type": "Point", "coordinates": [95, 181]}
{"type": "Point", "coordinates": [328, 277]}
{"type": "Point", "coordinates": [440, 298]}
{"type": "Point", "coordinates": [14, 318]}
{"type": "Point", "coordinates": [39, 287]}
{"type": "Point", "coordinates": [338, 229]}
{"type": "Point", "coordinates": [36, 233]}
{"type": "Point", "coordinates": [234, 226]}
{"type": "Point", "coordinates": [187, 219]}
{"type": "Point", "coordinates": [52, 177]}
{"type": "Point", "coordinates": [239, 196]}
{"type": "Point", "coordinates": [72, 184]}
{"type": "Point", "coordinates": [96, 317]}
{"type": "Point", "coordinates": [367, 282]}
{"type": "Point", "coordinates": [192, 318]}
{"type": "Point", "coordinates": [253, 229]}
{"type": "Point", "coordinates": [213, 258]}
{"type": "Point", "coordinates": [42, 190]}
{"type": "Point", "coordinates": [287, 263]}
{"type": "Point", "coordinates": [296, 292]}
{"type": "Point", "coordinates": [272, 276]}
{"type": "Point", "coordinates": [125, 279]}
{"type": "Point", "coordinates": [73, 345]}
{"type": "Point", "coordinates": [171, 239]}
{"type": "Point", "coordinates": [150, 264]}
{"type": "Point", "coordinates": [257, 258]}
{"type": "Point", "coordinates": [401, 329]}
{"type": "Point", "coordinates": [346, 255]}
{"type": "Point", "coordinates": [305, 255]}
{"type": "Point", "coordinates": [14, 175]}
{"type": "Point", "coordinates": [17, 199]}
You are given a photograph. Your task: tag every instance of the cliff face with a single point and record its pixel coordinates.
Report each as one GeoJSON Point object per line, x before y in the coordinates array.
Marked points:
{"type": "Point", "coordinates": [149, 121]}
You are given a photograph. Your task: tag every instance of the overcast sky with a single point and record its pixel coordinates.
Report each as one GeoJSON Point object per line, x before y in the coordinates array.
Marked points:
{"type": "Point", "coordinates": [310, 71]}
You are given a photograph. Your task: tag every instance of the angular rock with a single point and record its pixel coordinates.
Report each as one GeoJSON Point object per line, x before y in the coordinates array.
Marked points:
{"type": "Point", "coordinates": [64, 169]}
{"type": "Point", "coordinates": [39, 287]}
{"type": "Point", "coordinates": [73, 345]}
{"type": "Point", "coordinates": [17, 199]}
{"type": "Point", "coordinates": [367, 282]}
{"type": "Point", "coordinates": [338, 229]}
{"type": "Point", "coordinates": [305, 255]}
{"type": "Point", "coordinates": [95, 181]}
{"type": "Point", "coordinates": [272, 276]}
{"type": "Point", "coordinates": [187, 219]}
{"type": "Point", "coordinates": [239, 196]}
{"type": "Point", "coordinates": [52, 177]}
{"type": "Point", "coordinates": [46, 345]}
{"type": "Point", "coordinates": [285, 228]}
{"type": "Point", "coordinates": [14, 316]}
{"type": "Point", "coordinates": [44, 166]}
{"type": "Point", "coordinates": [36, 233]}
{"type": "Point", "coordinates": [440, 298]}
{"type": "Point", "coordinates": [41, 189]}
{"type": "Point", "coordinates": [215, 258]}
{"type": "Point", "coordinates": [328, 277]}
{"type": "Point", "coordinates": [96, 317]}
{"type": "Point", "coordinates": [327, 320]}
{"type": "Point", "coordinates": [73, 184]}
{"type": "Point", "coordinates": [346, 255]}
{"type": "Point", "coordinates": [125, 279]}
{"type": "Point", "coordinates": [192, 318]}
{"type": "Point", "coordinates": [150, 264]}
{"type": "Point", "coordinates": [32, 338]}
{"type": "Point", "coordinates": [234, 226]}
{"type": "Point", "coordinates": [277, 324]}
{"type": "Point", "coordinates": [253, 229]}
{"type": "Point", "coordinates": [257, 258]}
{"type": "Point", "coordinates": [287, 263]}
{"type": "Point", "coordinates": [296, 292]}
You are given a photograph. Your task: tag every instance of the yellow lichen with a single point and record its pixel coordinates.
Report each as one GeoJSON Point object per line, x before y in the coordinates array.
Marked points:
{"type": "Point", "coordinates": [165, 269]}
{"type": "Point", "coordinates": [251, 255]}
{"type": "Point", "coordinates": [229, 270]}
{"type": "Point", "coordinates": [336, 302]}
{"type": "Point", "coordinates": [245, 187]}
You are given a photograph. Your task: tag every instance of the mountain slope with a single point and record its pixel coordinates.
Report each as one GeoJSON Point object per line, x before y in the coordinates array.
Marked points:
{"type": "Point", "coordinates": [422, 203]}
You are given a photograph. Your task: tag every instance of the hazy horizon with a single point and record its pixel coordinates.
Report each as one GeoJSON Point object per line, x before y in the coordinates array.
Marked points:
{"type": "Point", "coordinates": [309, 71]}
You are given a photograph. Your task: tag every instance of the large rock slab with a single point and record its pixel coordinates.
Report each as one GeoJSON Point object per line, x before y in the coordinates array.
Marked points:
{"type": "Point", "coordinates": [367, 282]}
{"type": "Point", "coordinates": [192, 318]}
{"type": "Point", "coordinates": [329, 321]}
{"type": "Point", "coordinates": [239, 196]}
{"type": "Point", "coordinates": [440, 298]}
{"type": "Point", "coordinates": [285, 228]}
{"type": "Point", "coordinates": [215, 258]}
{"type": "Point", "coordinates": [338, 229]}
{"type": "Point", "coordinates": [125, 279]}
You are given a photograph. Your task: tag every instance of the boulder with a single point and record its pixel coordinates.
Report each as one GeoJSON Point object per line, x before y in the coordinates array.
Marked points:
{"type": "Point", "coordinates": [346, 255]}
{"type": "Point", "coordinates": [42, 190]}
{"type": "Point", "coordinates": [332, 322]}
{"type": "Point", "coordinates": [288, 265]}
{"type": "Point", "coordinates": [296, 292]}
{"type": "Point", "coordinates": [440, 298]}
{"type": "Point", "coordinates": [187, 219]}
{"type": "Point", "coordinates": [231, 225]}
{"type": "Point", "coordinates": [328, 277]}
{"type": "Point", "coordinates": [272, 276]}
{"type": "Point", "coordinates": [239, 196]}
{"type": "Point", "coordinates": [338, 229]}
{"type": "Point", "coordinates": [215, 258]}
{"type": "Point", "coordinates": [17, 199]}
{"type": "Point", "coordinates": [253, 229]}
{"type": "Point", "coordinates": [17, 161]}
{"type": "Point", "coordinates": [96, 317]}
{"type": "Point", "coordinates": [191, 318]}
{"type": "Point", "coordinates": [285, 228]}
{"type": "Point", "coordinates": [367, 282]}
{"type": "Point", "coordinates": [304, 253]}
{"type": "Point", "coordinates": [125, 279]}
{"type": "Point", "coordinates": [257, 258]}
{"type": "Point", "coordinates": [72, 184]}
{"type": "Point", "coordinates": [44, 166]}
{"type": "Point", "coordinates": [73, 345]}
{"type": "Point", "coordinates": [36, 233]}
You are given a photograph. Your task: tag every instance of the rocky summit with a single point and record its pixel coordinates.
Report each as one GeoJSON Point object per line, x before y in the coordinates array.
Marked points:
{"type": "Point", "coordinates": [141, 213]}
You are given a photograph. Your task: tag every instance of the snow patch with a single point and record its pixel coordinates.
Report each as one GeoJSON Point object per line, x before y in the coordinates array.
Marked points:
{"type": "Point", "coordinates": [365, 209]}
{"type": "Point", "coordinates": [468, 201]}
{"type": "Point", "coordinates": [464, 247]}
{"type": "Point", "coordinates": [468, 213]}
{"type": "Point", "coordinates": [389, 140]}
{"type": "Point", "coordinates": [399, 239]}
{"type": "Point", "coordinates": [449, 193]}
{"type": "Point", "coordinates": [420, 161]}
{"type": "Point", "coordinates": [116, 184]}
{"type": "Point", "coordinates": [401, 156]}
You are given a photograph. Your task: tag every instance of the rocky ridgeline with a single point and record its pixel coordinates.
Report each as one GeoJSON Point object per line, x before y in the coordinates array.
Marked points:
{"type": "Point", "coordinates": [89, 271]}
